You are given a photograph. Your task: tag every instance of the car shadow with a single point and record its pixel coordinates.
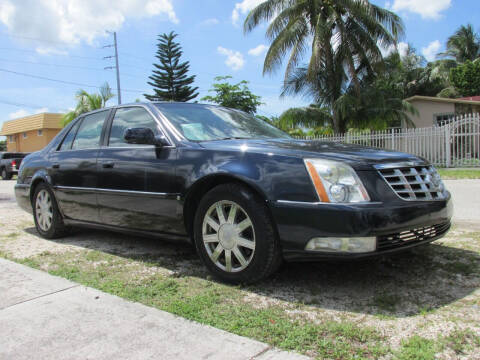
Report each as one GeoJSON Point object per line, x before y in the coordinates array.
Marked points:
{"type": "Point", "coordinates": [410, 283]}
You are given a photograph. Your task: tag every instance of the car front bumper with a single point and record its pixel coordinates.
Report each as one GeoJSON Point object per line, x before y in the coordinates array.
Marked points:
{"type": "Point", "coordinates": [397, 226]}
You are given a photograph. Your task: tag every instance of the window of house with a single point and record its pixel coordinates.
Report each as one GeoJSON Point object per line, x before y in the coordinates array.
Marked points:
{"type": "Point", "coordinates": [440, 119]}
{"type": "Point", "coordinates": [24, 135]}
{"type": "Point", "coordinates": [125, 118]}
{"type": "Point", "coordinates": [88, 134]}
{"type": "Point", "coordinates": [11, 138]}
{"type": "Point", "coordinates": [40, 132]}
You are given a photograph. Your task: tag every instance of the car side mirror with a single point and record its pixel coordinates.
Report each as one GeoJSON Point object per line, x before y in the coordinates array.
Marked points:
{"type": "Point", "coordinates": [144, 136]}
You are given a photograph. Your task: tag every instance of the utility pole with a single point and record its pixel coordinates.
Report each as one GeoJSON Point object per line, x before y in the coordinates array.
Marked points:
{"type": "Point", "coordinates": [114, 45]}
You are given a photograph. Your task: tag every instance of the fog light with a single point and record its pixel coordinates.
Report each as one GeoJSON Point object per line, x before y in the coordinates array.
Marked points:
{"type": "Point", "coordinates": [348, 245]}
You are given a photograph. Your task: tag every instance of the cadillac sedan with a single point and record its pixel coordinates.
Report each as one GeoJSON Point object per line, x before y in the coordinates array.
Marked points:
{"type": "Point", "coordinates": [245, 193]}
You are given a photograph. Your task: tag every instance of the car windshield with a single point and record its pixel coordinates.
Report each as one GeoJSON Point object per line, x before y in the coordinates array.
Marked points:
{"type": "Point", "coordinates": [208, 122]}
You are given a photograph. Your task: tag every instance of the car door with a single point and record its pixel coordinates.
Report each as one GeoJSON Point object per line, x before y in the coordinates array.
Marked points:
{"type": "Point", "coordinates": [73, 170]}
{"type": "Point", "coordinates": [137, 187]}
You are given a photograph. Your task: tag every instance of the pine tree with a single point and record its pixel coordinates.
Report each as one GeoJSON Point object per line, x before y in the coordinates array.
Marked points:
{"type": "Point", "coordinates": [169, 78]}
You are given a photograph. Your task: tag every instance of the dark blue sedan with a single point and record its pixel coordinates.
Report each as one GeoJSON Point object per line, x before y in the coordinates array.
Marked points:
{"type": "Point", "coordinates": [245, 193]}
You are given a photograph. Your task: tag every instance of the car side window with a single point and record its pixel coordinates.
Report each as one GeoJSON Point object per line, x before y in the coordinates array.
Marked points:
{"type": "Point", "coordinates": [88, 135]}
{"type": "Point", "coordinates": [125, 118]}
{"type": "Point", "coordinates": [68, 139]}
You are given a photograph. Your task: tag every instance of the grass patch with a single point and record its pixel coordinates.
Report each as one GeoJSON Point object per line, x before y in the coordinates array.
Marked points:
{"type": "Point", "coordinates": [456, 174]}
{"type": "Point", "coordinates": [419, 348]}
{"type": "Point", "coordinates": [461, 341]}
{"type": "Point", "coordinates": [212, 303]}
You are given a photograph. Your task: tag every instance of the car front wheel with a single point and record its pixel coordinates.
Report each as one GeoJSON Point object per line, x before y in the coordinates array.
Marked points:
{"type": "Point", "coordinates": [235, 236]}
{"type": "Point", "coordinates": [48, 220]}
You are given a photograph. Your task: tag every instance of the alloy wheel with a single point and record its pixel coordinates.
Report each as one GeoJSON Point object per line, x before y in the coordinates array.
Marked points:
{"type": "Point", "coordinates": [44, 210]}
{"type": "Point", "coordinates": [228, 236]}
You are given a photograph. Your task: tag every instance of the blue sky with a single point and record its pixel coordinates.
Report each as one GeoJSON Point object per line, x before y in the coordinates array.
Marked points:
{"type": "Point", "coordinates": [63, 39]}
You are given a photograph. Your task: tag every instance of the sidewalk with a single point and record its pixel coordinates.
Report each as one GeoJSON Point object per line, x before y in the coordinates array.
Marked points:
{"type": "Point", "coordinates": [46, 317]}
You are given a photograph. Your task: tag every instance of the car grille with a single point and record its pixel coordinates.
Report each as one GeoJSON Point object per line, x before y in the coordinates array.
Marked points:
{"type": "Point", "coordinates": [415, 183]}
{"type": "Point", "coordinates": [403, 238]}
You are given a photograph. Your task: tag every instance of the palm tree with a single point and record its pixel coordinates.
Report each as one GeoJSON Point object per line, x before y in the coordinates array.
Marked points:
{"type": "Point", "coordinates": [463, 45]}
{"type": "Point", "coordinates": [87, 102]}
{"type": "Point", "coordinates": [311, 117]}
{"type": "Point", "coordinates": [343, 36]}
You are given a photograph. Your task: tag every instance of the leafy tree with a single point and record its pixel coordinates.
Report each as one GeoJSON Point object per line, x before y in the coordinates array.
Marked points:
{"type": "Point", "coordinates": [466, 78]}
{"type": "Point", "coordinates": [88, 102]}
{"type": "Point", "coordinates": [236, 96]}
{"type": "Point", "coordinates": [463, 45]}
{"type": "Point", "coordinates": [344, 38]}
{"type": "Point", "coordinates": [169, 79]}
{"type": "Point", "coordinates": [3, 145]}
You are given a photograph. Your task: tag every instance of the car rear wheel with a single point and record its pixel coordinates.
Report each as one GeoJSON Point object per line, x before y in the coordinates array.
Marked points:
{"type": "Point", "coordinates": [235, 236]}
{"type": "Point", "coordinates": [48, 220]}
{"type": "Point", "coordinates": [6, 175]}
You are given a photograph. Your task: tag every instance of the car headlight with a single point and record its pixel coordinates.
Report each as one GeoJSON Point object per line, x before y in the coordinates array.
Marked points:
{"type": "Point", "coordinates": [336, 182]}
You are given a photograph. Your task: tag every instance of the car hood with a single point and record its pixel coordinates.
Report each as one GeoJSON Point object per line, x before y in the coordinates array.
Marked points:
{"type": "Point", "coordinates": [359, 157]}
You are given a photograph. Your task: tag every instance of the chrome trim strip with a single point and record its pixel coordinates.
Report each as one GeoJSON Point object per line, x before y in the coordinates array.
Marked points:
{"type": "Point", "coordinates": [401, 164]}
{"type": "Point", "coordinates": [126, 192]}
{"type": "Point", "coordinates": [291, 202]}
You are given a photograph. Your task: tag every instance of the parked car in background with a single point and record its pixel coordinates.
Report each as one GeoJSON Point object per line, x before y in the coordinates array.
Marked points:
{"type": "Point", "coordinates": [245, 193]}
{"type": "Point", "coordinates": [10, 163]}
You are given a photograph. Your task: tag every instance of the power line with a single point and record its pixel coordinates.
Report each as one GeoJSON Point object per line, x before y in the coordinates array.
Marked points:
{"type": "Point", "coordinates": [22, 105]}
{"type": "Point", "coordinates": [50, 64]}
{"type": "Point", "coordinates": [63, 81]}
{"type": "Point", "coordinates": [68, 55]}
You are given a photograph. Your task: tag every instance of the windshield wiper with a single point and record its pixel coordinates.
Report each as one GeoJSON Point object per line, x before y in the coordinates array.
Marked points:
{"type": "Point", "coordinates": [234, 138]}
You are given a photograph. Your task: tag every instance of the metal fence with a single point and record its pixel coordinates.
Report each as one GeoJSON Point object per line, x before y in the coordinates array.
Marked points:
{"type": "Point", "coordinates": [454, 143]}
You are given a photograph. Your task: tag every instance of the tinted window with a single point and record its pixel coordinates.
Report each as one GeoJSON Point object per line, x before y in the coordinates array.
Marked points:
{"type": "Point", "coordinates": [125, 118]}
{"type": "Point", "coordinates": [68, 139]}
{"type": "Point", "coordinates": [13, 156]}
{"type": "Point", "coordinates": [88, 135]}
{"type": "Point", "coordinates": [205, 122]}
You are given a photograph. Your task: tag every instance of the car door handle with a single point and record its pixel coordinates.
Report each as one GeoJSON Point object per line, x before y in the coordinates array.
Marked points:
{"type": "Point", "coordinates": [107, 165]}
{"type": "Point", "coordinates": [55, 166]}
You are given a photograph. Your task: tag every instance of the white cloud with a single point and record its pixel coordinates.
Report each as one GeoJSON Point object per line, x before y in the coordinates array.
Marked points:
{"type": "Point", "coordinates": [401, 47]}
{"type": "Point", "coordinates": [234, 59]}
{"type": "Point", "coordinates": [69, 22]}
{"type": "Point", "coordinates": [22, 112]}
{"type": "Point", "coordinates": [18, 114]}
{"type": "Point", "coordinates": [244, 7]}
{"type": "Point", "coordinates": [430, 52]}
{"type": "Point", "coordinates": [259, 50]}
{"type": "Point", "coordinates": [427, 9]}
{"type": "Point", "coordinates": [210, 22]}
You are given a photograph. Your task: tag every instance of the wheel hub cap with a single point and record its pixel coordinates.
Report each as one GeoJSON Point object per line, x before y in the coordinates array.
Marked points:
{"type": "Point", "coordinates": [44, 210]}
{"type": "Point", "coordinates": [228, 236]}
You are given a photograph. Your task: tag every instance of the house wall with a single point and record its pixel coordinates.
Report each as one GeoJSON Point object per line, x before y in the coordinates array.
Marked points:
{"type": "Point", "coordinates": [427, 110]}
{"type": "Point", "coordinates": [33, 142]}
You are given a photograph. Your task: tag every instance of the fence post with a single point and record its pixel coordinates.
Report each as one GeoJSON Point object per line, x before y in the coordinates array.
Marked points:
{"type": "Point", "coordinates": [393, 139]}
{"type": "Point", "coordinates": [447, 145]}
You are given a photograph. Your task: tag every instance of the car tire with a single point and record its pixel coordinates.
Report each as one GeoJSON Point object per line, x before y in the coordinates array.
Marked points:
{"type": "Point", "coordinates": [48, 219]}
{"type": "Point", "coordinates": [226, 248]}
{"type": "Point", "coordinates": [6, 175]}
